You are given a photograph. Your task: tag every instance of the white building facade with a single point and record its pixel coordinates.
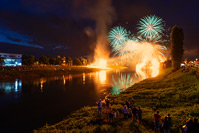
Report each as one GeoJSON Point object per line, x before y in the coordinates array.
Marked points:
{"type": "Point", "coordinates": [11, 59]}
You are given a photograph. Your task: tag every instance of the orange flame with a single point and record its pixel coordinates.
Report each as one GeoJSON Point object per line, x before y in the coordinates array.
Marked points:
{"type": "Point", "coordinates": [149, 66]}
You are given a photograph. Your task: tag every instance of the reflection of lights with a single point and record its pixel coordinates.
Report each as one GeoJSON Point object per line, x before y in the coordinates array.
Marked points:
{"type": "Point", "coordinates": [65, 78]}
{"type": "Point", "coordinates": [41, 85]}
{"type": "Point", "coordinates": [84, 78]}
{"type": "Point", "coordinates": [16, 85]}
{"type": "Point", "coordinates": [20, 83]}
{"type": "Point", "coordinates": [102, 77]}
{"type": "Point", "coordinates": [64, 81]}
{"type": "Point", "coordinates": [70, 77]}
{"type": "Point", "coordinates": [9, 87]}
{"type": "Point", "coordinates": [123, 81]}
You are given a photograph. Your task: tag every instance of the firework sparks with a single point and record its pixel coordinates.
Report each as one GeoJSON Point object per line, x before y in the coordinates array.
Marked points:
{"type": "Point", "coordinates": [150, 27]}
{"type": "Point", "coordinates": [118, 35]}
{"type": "Point", "coordinates": [125, 51]}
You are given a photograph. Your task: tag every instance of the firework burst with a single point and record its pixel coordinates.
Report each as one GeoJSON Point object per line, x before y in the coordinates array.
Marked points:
{"type": "Point", "coordinates": [118, 35]}
{"type": "Point", "coordinates": [150, 27]}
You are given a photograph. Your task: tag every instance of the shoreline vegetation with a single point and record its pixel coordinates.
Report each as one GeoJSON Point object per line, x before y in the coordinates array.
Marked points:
{"type": "Point", "coordinates": [7, 73]}
{"type": "Point", "coordinates": [176, 93]}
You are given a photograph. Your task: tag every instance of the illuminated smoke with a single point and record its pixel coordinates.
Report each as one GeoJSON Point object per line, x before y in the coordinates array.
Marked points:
{"type": "Point", "coordinates": [103, 15]}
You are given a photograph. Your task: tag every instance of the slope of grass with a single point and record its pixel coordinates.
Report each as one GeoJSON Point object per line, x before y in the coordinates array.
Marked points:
{"type": "Point", "coordinates": [176, 93]}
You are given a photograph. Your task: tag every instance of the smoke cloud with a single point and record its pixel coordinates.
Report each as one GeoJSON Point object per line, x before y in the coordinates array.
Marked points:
{"type": "Point", "coordinates": [103, 13]}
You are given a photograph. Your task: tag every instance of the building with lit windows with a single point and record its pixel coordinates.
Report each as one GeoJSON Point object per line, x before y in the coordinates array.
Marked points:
{"type": "Point", "coordinates": [11, 59]}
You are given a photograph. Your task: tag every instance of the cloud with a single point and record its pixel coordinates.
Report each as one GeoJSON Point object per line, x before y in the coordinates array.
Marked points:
{"type": "Point", "coordinates": [60, 47]}
{"type": "Point", "coordinates": [9, 36]}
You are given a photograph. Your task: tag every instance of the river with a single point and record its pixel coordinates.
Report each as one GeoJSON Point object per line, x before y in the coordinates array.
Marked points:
{"type": "Point", "coordinates": [30, 104]}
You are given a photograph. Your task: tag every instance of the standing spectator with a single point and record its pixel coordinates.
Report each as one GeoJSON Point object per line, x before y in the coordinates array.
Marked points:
{"type": "Point", "coordinates": [115, 114]}
{"type": "Point", "coordinates": [107, 103]}
{"type": "Point", "coordinates": [125, 111]}
{"type": "Point", "coordinates": [169, 122]}
{"type": "Point", "coordinates": [99, 108]}
{"type": "Point", "coordinates": [127, 103]}
{"type": "Point", "coordinates": [189, 125]}
{"type": "Point", "coordinates": [134, 111]}
{"type": "Point", "coordinates": [130, 114]}
{"type": "Point", "coordinates": [165, 124]}
{"type": "Point", "coordinates": [139, 115]}
{"type": "Point", "coordinates": [156, 121]}
{"type": "Point", "coordinates": [111, 115]}
{"type": "Point", "coordinates": [195, 125]}
{"type": "Point", "coordinates": [131, 103]}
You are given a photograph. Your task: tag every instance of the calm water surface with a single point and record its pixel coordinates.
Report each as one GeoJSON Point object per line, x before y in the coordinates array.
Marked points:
{"type": "Point", "coordinates": [30, 104]}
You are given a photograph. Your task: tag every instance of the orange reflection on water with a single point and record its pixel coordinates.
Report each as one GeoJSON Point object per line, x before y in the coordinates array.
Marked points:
{"type": "Point", "coordinates": [102, 77]}
{"type": "Point", "coordinates": [84, 78]}
{"type": "Point", "coordinates": [67, 77]}
{"type": "Point", "coordinates": [42, 81]}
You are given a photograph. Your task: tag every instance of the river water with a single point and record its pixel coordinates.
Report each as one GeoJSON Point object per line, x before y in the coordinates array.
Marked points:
{"type": "Point", "coordinates": [30, 104]}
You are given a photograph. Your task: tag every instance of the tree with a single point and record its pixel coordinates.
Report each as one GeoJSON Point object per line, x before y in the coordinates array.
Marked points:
{"type": "Point", "coordinates": [52, 61]}
{"type": "Point", "coordinates": [69, 61]}
{"type": "Point", "coordinates": [43, 60]}
{"type": "Point", "coordinates": [83, 61]}
{"type": "Point", "coordinates": [2, 61]}
{"type": "Point", "coordinates": [58, 60]}
{"type": "Point", "coordinates": [28, 60]}
{"type": "Point", "coordinates": [77, 61]}
{"type": "Point", "coordinates": [177, 38]}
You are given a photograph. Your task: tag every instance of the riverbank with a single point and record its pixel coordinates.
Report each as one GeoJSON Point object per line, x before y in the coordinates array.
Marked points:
{"type": "Point", "coordinates": [176, 93]}
{"type": "Point", "coordinates": [7, 73]}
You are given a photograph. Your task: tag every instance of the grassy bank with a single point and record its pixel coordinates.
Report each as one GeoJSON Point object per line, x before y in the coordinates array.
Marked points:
{"type": "Point", "coordinates": [176, 93]}
{"type": "Point", "coordinates": [7, 73]}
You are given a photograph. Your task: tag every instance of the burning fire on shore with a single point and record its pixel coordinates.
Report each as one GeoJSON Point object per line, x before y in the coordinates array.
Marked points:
{"type": "Point", "coordinates": [99, 63]}
{"type": "Point", "coordinates": [149, 59]}
{"type": "Point", "coordinates": [142, 51]}
{"type": "Point", "coordinates": [145, 56]}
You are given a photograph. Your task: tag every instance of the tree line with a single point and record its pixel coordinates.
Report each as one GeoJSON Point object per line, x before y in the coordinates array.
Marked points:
{"type": "Point", "coordinates": [46, 60]}
{"type": "Point", "coordinates": [176, 41]}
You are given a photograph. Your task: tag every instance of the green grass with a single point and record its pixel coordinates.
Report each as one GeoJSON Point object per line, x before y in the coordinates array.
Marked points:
{"type": "Point", "coordinates": [176, 93]}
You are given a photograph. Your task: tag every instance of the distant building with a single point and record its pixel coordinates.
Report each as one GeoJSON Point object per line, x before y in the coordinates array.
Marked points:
{"type": "Point", "coordinates": [11, 59]}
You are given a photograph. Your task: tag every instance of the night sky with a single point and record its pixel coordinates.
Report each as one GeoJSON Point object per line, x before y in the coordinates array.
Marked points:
{"type": "Point", "coordinates": [68, 27]}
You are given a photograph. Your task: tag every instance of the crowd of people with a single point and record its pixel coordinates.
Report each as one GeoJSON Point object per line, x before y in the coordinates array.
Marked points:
{"type": "Point", "coordinates": [110, 114]}
{"type": "Point", "coordinates": [130, 110]}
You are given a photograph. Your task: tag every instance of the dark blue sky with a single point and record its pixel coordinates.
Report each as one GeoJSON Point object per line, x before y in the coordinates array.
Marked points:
{"type": "Point", "coordinates": [59, 27]}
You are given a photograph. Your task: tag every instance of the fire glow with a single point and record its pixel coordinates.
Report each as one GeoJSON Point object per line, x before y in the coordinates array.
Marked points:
{"type": "Point", "coordinates": [149, 59]}
{"type": "Point", "coordinates": [146, 57]}
{"type": "Point", "coordinates": [99, 63]}
{"type": "Point", "coordinates": [143, 52]}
